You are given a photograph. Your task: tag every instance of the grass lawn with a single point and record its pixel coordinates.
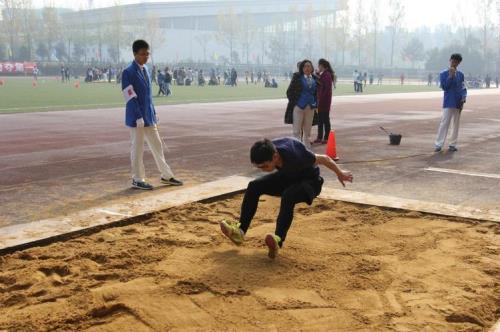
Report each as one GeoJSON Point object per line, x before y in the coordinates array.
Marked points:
{"type": "Point", "coordinates": [17, 95]}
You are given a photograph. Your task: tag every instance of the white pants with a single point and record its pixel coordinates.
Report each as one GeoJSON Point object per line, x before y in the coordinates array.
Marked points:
{"type": "Point", "coordinates": [302, 124]}
{"type": "Point", "coordinates": [152, 136]}
{"type": "Point", "coordinates": [449, 115]}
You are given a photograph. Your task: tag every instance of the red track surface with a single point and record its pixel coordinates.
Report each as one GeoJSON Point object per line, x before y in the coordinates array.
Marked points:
{"type": "Point", "coordinates": [57, 162]}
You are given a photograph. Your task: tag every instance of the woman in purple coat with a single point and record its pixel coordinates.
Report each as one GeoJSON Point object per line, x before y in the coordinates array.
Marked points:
{"type": "Point", "coordinates": [324, 100]}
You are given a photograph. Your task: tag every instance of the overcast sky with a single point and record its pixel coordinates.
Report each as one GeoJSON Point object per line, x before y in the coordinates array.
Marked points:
{"type": "Point", "coordinates": [418, 12]}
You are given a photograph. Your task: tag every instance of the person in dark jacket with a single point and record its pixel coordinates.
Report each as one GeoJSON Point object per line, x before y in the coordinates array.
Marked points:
{"type": "Point", "coordinates": [325, 74]}
{"type": "Point", "coordinates": [294, 175]}
{"type": "Point", "coordinates": [302, 102]}
{"type": "Point", "coordinates": [168, 82]}
{"type": "Point", "coordinates": [161, 83]}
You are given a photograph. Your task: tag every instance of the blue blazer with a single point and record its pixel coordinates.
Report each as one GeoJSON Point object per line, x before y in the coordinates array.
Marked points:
{"type": "Point", "coordinates": [142, 106]}
{"type": "Point", "coordinates": [454, 89]}
{"type": "Point", "coordinates": [308, 94]}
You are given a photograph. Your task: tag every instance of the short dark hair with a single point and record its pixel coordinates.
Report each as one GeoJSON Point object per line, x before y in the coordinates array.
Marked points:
{"type": "Point", "coordinates": [302, 64]}
{"type": "Point", "coordinates": [262, 151]}
{"type": "Point", "coordinates": [139, 44]}
{"type": "Point", "coordinates": [456, 56]}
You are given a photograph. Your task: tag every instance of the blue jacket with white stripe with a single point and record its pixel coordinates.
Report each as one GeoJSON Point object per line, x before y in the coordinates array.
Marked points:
{"type": "Point", "coordinates": [142, 106]}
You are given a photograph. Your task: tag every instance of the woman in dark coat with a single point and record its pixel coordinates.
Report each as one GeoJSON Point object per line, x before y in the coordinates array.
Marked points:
{"type": "Point", "coordinates": [302, 102]}
{"type": "Point", "coordinates": [324, 100]}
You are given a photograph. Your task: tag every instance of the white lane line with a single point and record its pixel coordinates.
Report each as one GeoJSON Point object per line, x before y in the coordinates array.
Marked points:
{"type": "Point", "coordinates": [454, 171]}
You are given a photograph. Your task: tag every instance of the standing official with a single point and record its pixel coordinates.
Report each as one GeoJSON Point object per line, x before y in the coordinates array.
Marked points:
{"type": "Point", "coordinates": [455, 93]}
{"type": "Point", "coordinates": [142, 120]}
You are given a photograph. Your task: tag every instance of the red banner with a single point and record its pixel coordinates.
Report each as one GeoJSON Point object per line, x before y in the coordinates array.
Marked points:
{"type": "Point", "coordinates": [17, 67]}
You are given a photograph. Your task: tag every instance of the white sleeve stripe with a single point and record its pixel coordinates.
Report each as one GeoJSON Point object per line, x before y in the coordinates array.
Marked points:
{"type": "Point", "coordinates": [129, 93]}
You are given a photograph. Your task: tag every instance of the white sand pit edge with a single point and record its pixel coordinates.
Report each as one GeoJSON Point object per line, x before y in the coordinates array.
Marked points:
{"type": "Point", "coordinates": [29, 234]}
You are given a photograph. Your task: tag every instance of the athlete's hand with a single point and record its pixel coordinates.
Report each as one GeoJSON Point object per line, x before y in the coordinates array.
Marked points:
{"type": "Point", "coordinates": [345, 176]}
{"type": "Point", "coordinates": [452, 71]}
{"type": "Point", "coordinates": [140, 123]}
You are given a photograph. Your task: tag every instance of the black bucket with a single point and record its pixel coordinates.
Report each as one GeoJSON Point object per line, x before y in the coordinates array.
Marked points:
{"type": "Point", "coordinates": [395, 139]}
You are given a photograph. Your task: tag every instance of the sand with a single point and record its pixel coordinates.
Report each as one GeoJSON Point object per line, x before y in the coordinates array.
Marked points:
{"type": "Point", "coordinates": [344, 267]}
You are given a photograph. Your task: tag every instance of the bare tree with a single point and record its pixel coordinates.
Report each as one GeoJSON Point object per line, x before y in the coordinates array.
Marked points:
{"type": "Point", "coordinates": [203, 40]}
{"type": "Point", "coordinates": [153, 30]}
{"type": "Point", "coordinates": [81, 37]}
{"type": "Point", "coordinates": [396, 17]}
{"type": "Point", "coordinates": [498, 29]}
{"type": "Point", "coordinates": [414, 51]}
{"type": "Point", "coordinates": [375, 22]}
{"type": "Point", "coordinates": [29, 23]}
{"type": "Point", "coordinates": [51, 27]}
{"type": "Point", "coordinates": [229, 29]}
{"type": "Point", "coordinates": [462, 20]}
{"type": "Point", "coordinates": [484, 10]}
{"type": "Point", "coordinates": [116, 35]}
{"type": "Point", "coordinates": [277, 46]}
{"type": "Point", "coordinates": [248, 33]}
{"type": "Point", "coordinates": [307, 23]}
{"type": "Point", "coordinates": [293, 14]}
{"type": "Point", "coordinates": [342, 34]}
{"type": "Point", "coordinates": [360, 27]}
{"type": "Point", "coordinates": [12, 23]}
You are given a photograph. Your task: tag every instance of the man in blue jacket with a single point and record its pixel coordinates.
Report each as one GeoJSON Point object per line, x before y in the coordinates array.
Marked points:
{"type": "Point", "coordinates": [455, 94]}
{"type": "Point", "coordinates": [141, 118]}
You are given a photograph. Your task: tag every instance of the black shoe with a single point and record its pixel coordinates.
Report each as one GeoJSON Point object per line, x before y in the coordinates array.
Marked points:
{"type": "Point", "coordinates": [172, 182]}
{"type": "Point", "coordinates": [141, 185]}
{"type": "Point", "coordinates": [452, 149]}
{"type": "Point", "coordinates": [437, 149]}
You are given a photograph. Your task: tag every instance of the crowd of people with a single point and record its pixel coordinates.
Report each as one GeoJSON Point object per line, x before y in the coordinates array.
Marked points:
{"type": "Point", "coordinates": [361, 79]}
{"type": "Point", "coordinates": [106, 74]}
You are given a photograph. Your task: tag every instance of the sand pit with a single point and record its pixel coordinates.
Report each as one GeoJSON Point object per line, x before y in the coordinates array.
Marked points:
{"type": "Point", "coordinates": [345, 267]}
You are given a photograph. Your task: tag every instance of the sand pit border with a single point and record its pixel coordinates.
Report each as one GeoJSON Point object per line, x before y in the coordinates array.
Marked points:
{"type": "Point", "coordinates": [43, 232]}
{"type": "Point", "coordinates": [450, 210]}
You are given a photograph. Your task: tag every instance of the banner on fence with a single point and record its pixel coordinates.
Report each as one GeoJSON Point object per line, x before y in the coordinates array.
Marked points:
{"type": "Point", "coordinates": [17, 67]}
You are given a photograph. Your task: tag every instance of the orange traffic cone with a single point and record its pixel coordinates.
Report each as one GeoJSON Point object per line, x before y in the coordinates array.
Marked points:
{"type": "Point", "coordinates": [77, 84]}
{"type": "Point", "coordinates": [331, 146]}
{"type": "Point", "coordinates": [34, 84]}
{"type": "Point", "coordinates": [2, 82]}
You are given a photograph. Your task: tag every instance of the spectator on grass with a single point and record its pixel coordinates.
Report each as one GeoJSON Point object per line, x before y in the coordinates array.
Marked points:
{"type": "Point", "coordinates": [168, 82]}
{"type": "Point", "coordinates": [161, 83]}
{"type": "Point", "coordinates": [355, 80]}
{"type": "Point", "coordinates": [380, 77]}
{"type": "Point", "coordinates": [487, 80]}
{"type": "Point", "coordinates": [201, 78]}
{"type": "Point", "coordinates": [154, 72]}
{"type": "Point", "coordinates": [360, 82]}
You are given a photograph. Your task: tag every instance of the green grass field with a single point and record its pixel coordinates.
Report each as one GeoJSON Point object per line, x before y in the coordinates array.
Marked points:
{"type": "Point", "coordinates": [17, 95]}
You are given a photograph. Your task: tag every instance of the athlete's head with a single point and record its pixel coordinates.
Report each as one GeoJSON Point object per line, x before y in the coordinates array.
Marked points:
{"type": "Point", "coordinates": [264, 156]}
